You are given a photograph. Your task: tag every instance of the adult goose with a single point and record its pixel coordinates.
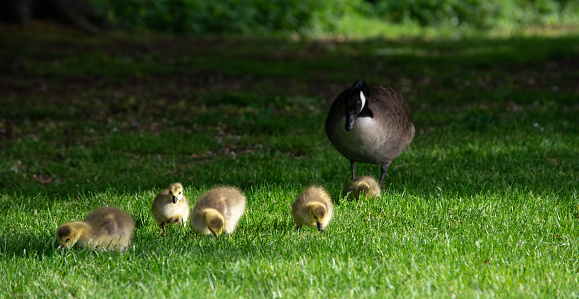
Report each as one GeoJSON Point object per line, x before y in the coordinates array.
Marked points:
{"type": "Point", "coordinates": [370, 124]}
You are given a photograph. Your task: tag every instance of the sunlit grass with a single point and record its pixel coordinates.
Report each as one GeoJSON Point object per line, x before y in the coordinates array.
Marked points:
{"type": "Point", "coordinates": [484, 203]}
{"type": "Point", "coordinates": [357, 27]}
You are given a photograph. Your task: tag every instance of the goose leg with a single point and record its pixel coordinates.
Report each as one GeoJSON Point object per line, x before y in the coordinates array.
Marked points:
{"type": "Point", "coordinates": [384, 171]}
{"type": "Point", "coordinates": [353, 171]}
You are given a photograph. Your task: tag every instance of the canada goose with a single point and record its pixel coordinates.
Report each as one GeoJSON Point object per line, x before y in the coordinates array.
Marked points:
{"type": "Point", "coordinates": [370, 125]}
{"type": "Point", "coordinates": [359, 185]}
{"type": "Point", "coordinates": [218, 210]}
{"type": "Point", "coordinates": [313, 207]}
{"type": "Point", "coordinates": [171, 206]}
{"type": "Point", "coordinates": [104, 228]}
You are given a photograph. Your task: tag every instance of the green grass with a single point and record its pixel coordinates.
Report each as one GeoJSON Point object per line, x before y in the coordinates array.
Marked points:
{"type": "Point", "coordinates": [484, 203]}
{"type": "Point", "coordinates": [360, 27]}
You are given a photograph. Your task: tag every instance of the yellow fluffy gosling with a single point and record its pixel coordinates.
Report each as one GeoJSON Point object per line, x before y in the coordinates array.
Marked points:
{"type": "Point", "coordinates": [364, 185]}
{"type": "Point", "coordinates": [104, 228]}
{"type": "Point", "coordinates": [218, 210]}
{"type": "Point", "coordinates": [313, 207]}
{"type": "Point", "coordinates": [171, 206]}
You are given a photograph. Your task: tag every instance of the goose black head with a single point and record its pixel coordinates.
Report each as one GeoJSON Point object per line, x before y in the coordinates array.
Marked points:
{"type": "Point", "coordinates": [356, 103]}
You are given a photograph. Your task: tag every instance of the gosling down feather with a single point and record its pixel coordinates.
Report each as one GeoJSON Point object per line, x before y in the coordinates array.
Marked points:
{"type": "Point", "coordinates": [370, 125]}
{"type": "Point", "coordinates": [219, 210]}
{"type": "Point", "coordinates": [364, 185]}
{"type": "Point", "coordinates": [104, 228]}
{"type": "Point", "coordinates": [313, 207]}
{"type": "Point", "coordinates": [171, 206]}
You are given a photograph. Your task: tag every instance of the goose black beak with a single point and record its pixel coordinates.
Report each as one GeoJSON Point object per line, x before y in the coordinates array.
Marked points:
{"type": "Point", "coordinates": [320, 227]}
{"type": "Point", "coordinates": [350, 121]}
{"type": "Point", "coordinates": [175, 200]}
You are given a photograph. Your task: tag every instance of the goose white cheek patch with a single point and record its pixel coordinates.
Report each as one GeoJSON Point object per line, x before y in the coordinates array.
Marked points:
{"type": "Point", "coordinates": [362, 99]}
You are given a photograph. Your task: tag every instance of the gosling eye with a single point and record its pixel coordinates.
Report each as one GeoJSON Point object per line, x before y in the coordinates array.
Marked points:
{"type": "Point", "coordinates": [179, 192]}
{"type": "Point", "coordinates": [67, 240]}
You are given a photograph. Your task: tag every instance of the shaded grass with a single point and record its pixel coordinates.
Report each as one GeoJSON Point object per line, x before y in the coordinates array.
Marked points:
{"type": "Point", "coordinates": [483, 203]}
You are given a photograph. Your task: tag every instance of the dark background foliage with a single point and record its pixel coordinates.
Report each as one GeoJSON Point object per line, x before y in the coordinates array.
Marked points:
{"type": "Point", "coordinates": [272, 16]}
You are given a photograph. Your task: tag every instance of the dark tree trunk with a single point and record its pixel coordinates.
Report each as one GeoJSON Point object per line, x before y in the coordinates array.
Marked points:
{"type": "Point", "coordinates": [78, 13]}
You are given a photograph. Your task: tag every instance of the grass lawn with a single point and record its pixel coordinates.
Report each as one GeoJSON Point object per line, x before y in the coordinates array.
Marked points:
{"type": "Point", "coordinates": [484, 202]}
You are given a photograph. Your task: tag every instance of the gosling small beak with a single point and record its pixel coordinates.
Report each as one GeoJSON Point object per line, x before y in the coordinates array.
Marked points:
{"type": "Point", "coordinates": [320, 227]}
{"type": "Point", "coordinates": [217, 233]}
{"type": "Point", "coordinates": [350, 121]}
{"type": "Point", "coordinates": [175, 199]}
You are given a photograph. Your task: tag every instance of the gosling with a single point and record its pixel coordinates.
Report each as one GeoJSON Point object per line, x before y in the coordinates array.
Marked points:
{"type": "Point", "coordinates": [104, 228]}
{"type": "Point", "coordinates": [313, 207]}
{"type": "Point", "coordinates": [364, 186]}
{"type": "Point", "coordinates": [219, 210]}
{"type": "Point", "coordinates": [171, 206]}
